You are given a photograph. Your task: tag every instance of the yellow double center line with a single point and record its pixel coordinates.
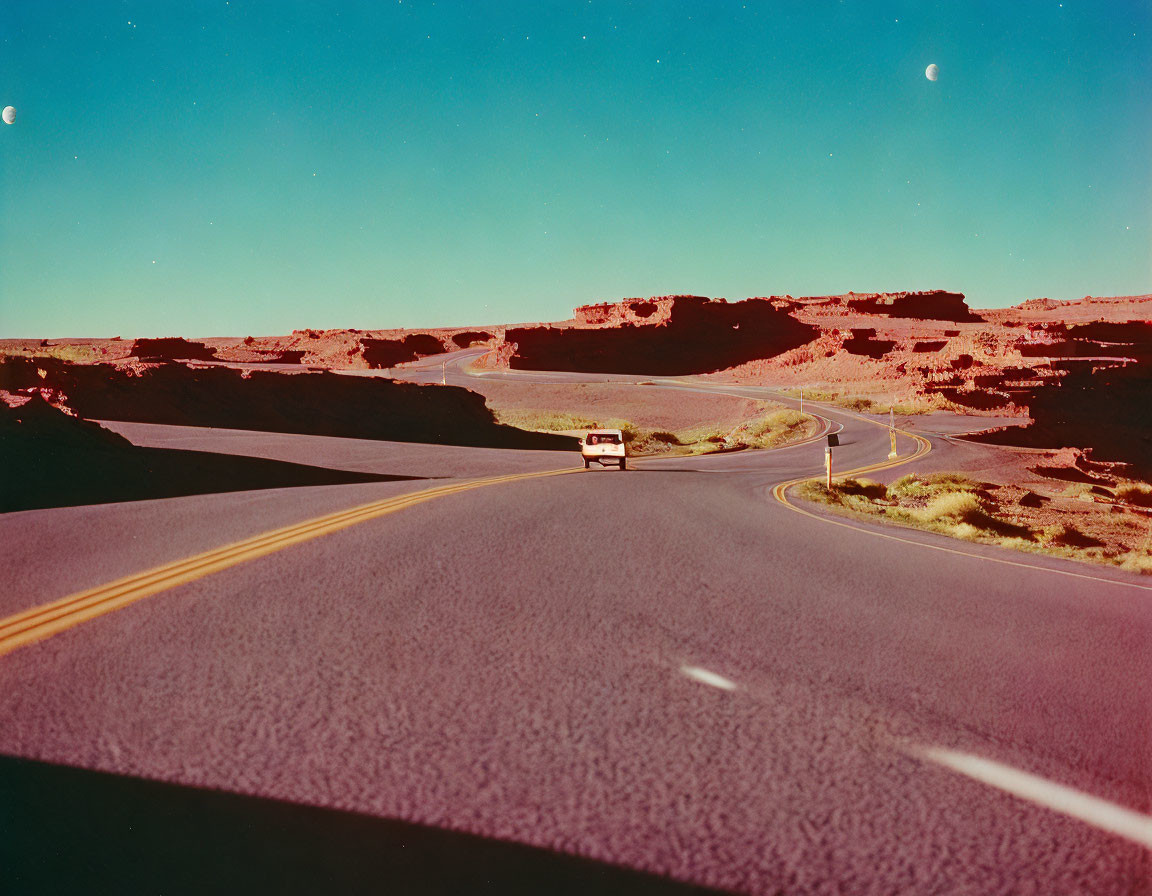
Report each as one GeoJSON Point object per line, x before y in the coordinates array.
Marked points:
{"type": "Point", "coordinates": [923, 446]}
{"type": "Point", "coordinates": [49, 619]}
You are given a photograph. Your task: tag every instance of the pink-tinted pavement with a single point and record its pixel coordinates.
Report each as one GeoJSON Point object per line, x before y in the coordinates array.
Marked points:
{"type": "Point", "coordinates": [660, 669]}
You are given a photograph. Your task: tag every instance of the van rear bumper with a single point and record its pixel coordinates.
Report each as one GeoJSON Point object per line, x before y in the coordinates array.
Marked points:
{"type": "Point", "coordinates": [602, 459]}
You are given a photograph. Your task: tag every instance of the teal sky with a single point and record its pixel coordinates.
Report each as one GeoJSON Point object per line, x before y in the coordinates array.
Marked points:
{"type": "Point", "coordinates": [235, 167]}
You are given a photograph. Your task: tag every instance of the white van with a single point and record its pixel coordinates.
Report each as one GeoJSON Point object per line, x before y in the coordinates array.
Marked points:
{"type": "Point", "coordinates": [605, 446]}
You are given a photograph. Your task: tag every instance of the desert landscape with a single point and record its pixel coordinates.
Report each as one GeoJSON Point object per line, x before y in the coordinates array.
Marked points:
{"type": "Point", "coordinates": [575, 448]}
{"type": "Point", "coordinates": [1055, 392]}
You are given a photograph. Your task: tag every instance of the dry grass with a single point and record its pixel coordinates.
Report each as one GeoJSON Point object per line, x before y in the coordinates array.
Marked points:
{"type": "Point", "coordinates": [772, 430]}
{"type": "Point", "coordinates": [76, 354]}
{"type": "Point", "coordinates": [543, 421]}
{"type": "Point", "coordinates": [862, 404]}
{"type": "Point", "coordinates": [954, 505]}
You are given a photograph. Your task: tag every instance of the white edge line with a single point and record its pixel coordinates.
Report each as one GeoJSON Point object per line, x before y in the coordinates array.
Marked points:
{"type": "Point", "coordinates": [1093, 810]}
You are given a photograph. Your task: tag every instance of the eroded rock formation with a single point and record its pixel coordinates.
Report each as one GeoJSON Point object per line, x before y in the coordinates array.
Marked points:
{"type": "Point", "coordinates": [697, 335]}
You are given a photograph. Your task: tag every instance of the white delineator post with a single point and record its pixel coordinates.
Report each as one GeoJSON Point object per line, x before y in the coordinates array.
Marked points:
{"type": "Point", "coordinates": [828, 465]}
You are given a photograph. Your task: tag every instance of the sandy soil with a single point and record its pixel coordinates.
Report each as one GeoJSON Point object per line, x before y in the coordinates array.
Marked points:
{"type": "Point", "coordinates": [648, 407]}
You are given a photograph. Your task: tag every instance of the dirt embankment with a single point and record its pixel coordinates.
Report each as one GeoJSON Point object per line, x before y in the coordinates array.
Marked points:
{"type": "Point", "coordinates": [309, 403]}
{"type": "Point", "coordinates": [647, 407]}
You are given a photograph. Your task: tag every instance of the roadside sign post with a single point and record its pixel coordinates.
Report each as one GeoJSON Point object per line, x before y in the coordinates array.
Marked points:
{"type": "Point", "coordinates": [444, 374]}
{"type": "Point", "coordinates": [833, 442]}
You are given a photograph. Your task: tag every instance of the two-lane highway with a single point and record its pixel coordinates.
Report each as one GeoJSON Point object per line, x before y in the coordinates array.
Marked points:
{"type": "Point", "coordinates": [663, 669]}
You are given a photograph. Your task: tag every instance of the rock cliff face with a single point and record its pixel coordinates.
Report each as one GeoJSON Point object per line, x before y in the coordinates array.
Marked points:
{"type": "Point", "coordinates": [1093, 389]}
{"type": "Point", "coordinates": [696, 335]}
{"type": "Point", "coordinates": [378, 353]}
{"type": "Point", "coordinates": [692, 334]}
{"type": "Point", "coordinates": [634, 311]}
{"type": "Point", "coordinates": [171, 348]}
{"type": "Point", "coordinates": [934, 305]}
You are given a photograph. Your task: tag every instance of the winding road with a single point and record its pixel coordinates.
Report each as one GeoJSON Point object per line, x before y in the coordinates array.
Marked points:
{"type": "Point", "coordinates": [491, 678]}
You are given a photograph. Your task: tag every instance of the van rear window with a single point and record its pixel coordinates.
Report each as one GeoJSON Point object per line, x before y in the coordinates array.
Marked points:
{"type": "Point", "coordinates": [603, 440]}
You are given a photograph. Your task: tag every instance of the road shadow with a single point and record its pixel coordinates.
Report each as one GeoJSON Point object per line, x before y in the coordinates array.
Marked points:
{"type": "Point", "coordinates": [48, 459]}
{"type": "Point", "coordinates": [69, 830]}
{"type": "Point", "coordinates": [320, 404]}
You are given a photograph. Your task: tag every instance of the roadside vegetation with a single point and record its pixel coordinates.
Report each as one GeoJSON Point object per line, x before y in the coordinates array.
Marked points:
{"type": "Point", "coordinates": [771, 427]}
{"type": "Point", "coordinates": [1110, 530]}
{"type": "Point", "coordinates": [77, 354]}
{"type": "Point", "coordinates": [862, 404]}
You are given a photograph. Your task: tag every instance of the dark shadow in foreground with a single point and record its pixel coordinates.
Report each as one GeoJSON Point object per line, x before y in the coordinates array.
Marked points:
{"type": "Point", "coordinates": [48, 459]}
{"type": "Point", "coordinates": [68, 830]}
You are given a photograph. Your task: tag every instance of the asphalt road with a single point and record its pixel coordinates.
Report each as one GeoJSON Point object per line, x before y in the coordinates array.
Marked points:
{"type": "Point", "coordinates": [663, 670]}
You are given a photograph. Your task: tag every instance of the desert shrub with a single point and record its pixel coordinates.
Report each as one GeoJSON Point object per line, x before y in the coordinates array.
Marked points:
{"type": "Point", "coordinates": [907, 485]}
{"type": "Point", "coordinates": [630, 430]}
{"type": "Point", "coordinates": [785, 417]}
{"type": "Point", "coordinates": [815, 490]}
{"type": "Point", "coordinates": [917, 486]}
{"type": "Point", "coordinates": [963, 506]}
{"type": "Point", "coordinates": [543, 420]}
{"type": "Point", "coordinates": [775, 428]}
{"type": "Point", "coordinates": [1065, 535]}
{"type": "Point", "coordinates": [1136, 561]}
{"type": "Point", "coordinates": [857, 403]}
{"type": "Point", "coordinates": [1075, 490]}
{"type": "Point", "coordinates": [865, 488]}
{"type": "Point", "coordinates": [1137, 493]}
{"type": "Point", "coordinates": [649, 442]}
{"type": "Point", "coordinates": [858, 494]}
{"type": "Point", "coordinates": [966, 514]}
{"type": "Point", "coordinates": [951, 481]}
{"type": "Point", "coordinates": [964, 531]}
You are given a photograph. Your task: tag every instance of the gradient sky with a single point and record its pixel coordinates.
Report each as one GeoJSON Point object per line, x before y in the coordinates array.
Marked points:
{"type": "Point", "coordinates": [235, 167]}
